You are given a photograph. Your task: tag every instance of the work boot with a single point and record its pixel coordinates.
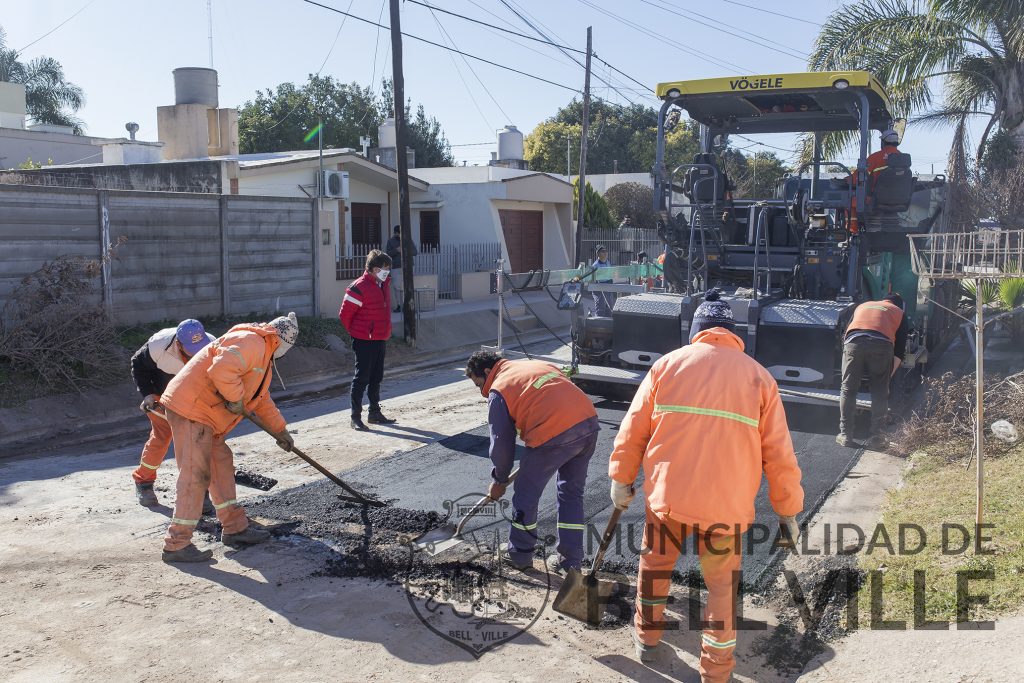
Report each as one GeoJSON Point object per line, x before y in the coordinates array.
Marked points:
{"type": "Point", "coordinates": [507, 559]}
{"type": "Point", "coordinates": [250, 535]}
{"type": "Point", "coordinates": [645, 653]}
{"type": "Point", "coordinates": [358, 424]}
{"type": "Point", "coordinates": [146, 495]}
{"type": "Point", "coordinates": [844, 440]}
{"type": "Point", "coordinates": [556, 564]}
{"type": "Point", "coordinates": [377, 418]}
{"type": "Point", "coordinates": [877, 442]}
{"type": "Point", "coordinates": [208, 508]}
{"type": "Point", "coordinates": [189, 553]}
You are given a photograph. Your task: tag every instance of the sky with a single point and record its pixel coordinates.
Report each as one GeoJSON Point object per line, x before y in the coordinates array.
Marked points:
{"type": "Point", "coordinates": [122, 53]}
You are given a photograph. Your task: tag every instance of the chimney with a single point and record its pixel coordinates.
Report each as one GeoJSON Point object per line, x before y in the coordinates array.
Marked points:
{"type": "Point", "coordinates": [194, 127]}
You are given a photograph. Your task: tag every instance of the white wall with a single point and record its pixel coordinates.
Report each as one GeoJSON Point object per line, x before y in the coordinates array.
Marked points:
{"type": "Point", "coordinates": [602, 182]}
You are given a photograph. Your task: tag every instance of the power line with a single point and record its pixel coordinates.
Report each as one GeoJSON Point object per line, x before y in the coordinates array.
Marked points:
{"type": "Point", "coordinates": [470, 67]}
{"type": "Point", "coordinates": [84, 7]}
{"type": "Point", "coordinates": [671, 42]}
{"type": "Point", "coordinates": [445, 47]}
{"type": "Point", "coordinates": [768, 11]}
{"type": "Point", "coordinates": [672, 9]}
{"type": "Point", "coordinates": [764, 144]}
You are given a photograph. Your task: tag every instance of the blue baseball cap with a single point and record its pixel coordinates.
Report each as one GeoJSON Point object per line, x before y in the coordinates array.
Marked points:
{"type": "Point", "coordinates": [192, 336]}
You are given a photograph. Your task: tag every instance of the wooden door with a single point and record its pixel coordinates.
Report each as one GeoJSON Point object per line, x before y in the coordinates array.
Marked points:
{"type": "Point", "coordinates": [524, 239]}
{"type": "Point", "coordinates": [366, 224]}
{"type": "Point", "coordinates": [430, 230]}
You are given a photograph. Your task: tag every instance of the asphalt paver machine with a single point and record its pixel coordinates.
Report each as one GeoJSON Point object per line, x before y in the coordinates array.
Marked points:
{"type": "Point", "coordinates": [792, 266]}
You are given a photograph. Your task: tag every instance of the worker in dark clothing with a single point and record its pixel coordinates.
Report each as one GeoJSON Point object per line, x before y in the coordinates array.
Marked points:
{"type": "Point", "coordinates": [153, 367]}
{"type": "Point", "coordinates": [876, 341]}
{"type": "Point", "coordinates": [558, 424]}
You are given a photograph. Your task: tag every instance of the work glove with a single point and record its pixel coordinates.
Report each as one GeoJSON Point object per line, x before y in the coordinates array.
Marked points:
{"type": "Point", "coordinates": [789, 533]}
{"type": "Point", "coordinates": [285, 440]}
{"type": "Point", "coordinates": [149, 403]}
{"type": "Point", "coordinates": [622, 495]}
{"type": "Point", "coordinates": [236, 407]}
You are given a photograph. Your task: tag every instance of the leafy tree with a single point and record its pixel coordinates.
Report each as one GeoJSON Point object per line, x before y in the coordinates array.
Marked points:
{"type": "Point", "coordinates": [757, 177]}
{"type": "Point", "coordinates": [619, 138]}
{"type": "Point", "coordinates": [596, 214]}
{"type": "Point", "coordinates": [49, 96]}
{"type": "Point", "coordinates": [280, 119]}
{"type": "Point", "coordinates": [633, 200]}
{"type": "Point", "coordinates": [975, 46]}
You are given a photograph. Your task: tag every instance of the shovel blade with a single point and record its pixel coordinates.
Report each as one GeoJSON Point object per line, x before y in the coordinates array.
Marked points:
{"type": "Point", "coordinates": [437, 540]}
{"type": "Point", "coordinates": [583, 597]}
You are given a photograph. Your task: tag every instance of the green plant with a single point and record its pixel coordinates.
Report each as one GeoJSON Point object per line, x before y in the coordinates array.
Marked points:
{"type": "Point", "coordinates": [989, 291]}
{"type": "Point", "coordinates": [596, 210]}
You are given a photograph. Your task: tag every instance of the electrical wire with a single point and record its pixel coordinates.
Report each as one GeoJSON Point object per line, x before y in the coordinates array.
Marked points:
{"type": "Point", "coordinates": [84, 7]}
{"type": "Point", "coordinates": [673, 9]}
{"type": "Point", "coordinates": [671, 42]}
{"type": "Point", "coordinates": [445, 47]}
{"type": "Point", "coordinates": [470, 67]}
{"type": "Point", "coordinates": [768, 11]}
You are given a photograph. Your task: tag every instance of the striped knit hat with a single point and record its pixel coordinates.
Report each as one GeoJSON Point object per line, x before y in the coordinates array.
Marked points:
{"type": "Point", "coordinates": [712, 312]}
{"type": "Point", "coordinates": [287, 328]}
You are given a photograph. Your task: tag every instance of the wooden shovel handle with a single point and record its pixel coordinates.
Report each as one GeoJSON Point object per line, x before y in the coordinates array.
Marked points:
{"type": "Point", "coordinates": [606, 540]}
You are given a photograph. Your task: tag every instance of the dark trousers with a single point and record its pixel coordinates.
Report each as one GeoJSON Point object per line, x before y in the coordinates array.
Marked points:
{"type": "Point", "coordinates": [536, 468]}
{"type": "Point", "coordinates": [871, 358]}
{"type": "Point", "coordinates": [369, 373]}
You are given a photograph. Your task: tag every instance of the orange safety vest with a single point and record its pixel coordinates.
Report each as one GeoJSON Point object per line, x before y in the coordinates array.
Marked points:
{"type": "Point", "coordinates": [236, 367]}
{"type": "Point", "coordinates": [542, 401]}
{"type": "Point", "coordinates": [879, 316]}
{"type": "Point", "coordinates": [706, 422]}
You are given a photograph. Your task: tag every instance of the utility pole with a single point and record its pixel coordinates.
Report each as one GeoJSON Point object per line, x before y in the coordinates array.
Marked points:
{"type": "Point", "coordinates": [582, 200]}
{"type": "Point", "coordinates": [209, 20]}
{"type": "Point", "coordinates": [405, 219]}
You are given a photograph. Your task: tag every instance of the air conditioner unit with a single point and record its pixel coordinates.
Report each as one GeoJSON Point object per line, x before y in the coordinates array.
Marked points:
{"type": "Point", "coordinates": [334, 184]}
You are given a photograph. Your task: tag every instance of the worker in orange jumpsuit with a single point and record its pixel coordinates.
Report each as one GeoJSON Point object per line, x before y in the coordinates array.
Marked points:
{"type": "Point", "coordinates": [154, 365]}
{"type": "Point", "coordinates": [227, 379]}
{"type": "Point", "coordinates": [877, 160]}
{"type": "Point", "coordinates": [874, 346]}
{"type": "Point", "coordinates": [705, 423]}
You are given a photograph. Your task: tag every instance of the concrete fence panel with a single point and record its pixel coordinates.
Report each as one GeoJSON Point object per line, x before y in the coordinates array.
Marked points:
{"type": "Point", "coordinates": [38, 225]}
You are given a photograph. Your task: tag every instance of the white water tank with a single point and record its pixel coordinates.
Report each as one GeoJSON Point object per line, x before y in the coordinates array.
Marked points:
{"type": "Point", "coordinates": [510, 144]}
{"type": "Point", "coordinates": [387, 137]}
{"type": "Point", "coordinates": [195, 85]}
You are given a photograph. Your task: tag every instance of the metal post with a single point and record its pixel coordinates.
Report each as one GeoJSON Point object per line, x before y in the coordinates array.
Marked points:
{"type": "Point", "coordinates": [816, 169]}
{"type": "Point", "coordinates": [582, 203]}
{"type": "Point", "coordinates": [979, 389]}
{"type": "Point", "coordinates": [501, 301]}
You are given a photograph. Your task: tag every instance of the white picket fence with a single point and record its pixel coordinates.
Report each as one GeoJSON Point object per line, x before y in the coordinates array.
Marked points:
{"type": "Point", "coordinates": [447, 262]}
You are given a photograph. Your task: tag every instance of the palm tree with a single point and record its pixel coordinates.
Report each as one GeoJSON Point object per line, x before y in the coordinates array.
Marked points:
{"type": "Point", "coordinates": [49, 97]}
{"type": "Point", "coordinates": [975, 46]}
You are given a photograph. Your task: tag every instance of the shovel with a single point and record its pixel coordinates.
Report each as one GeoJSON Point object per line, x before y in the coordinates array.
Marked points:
{"type": "Point", "coordinates": [450, 535]}
{"type": "Point", "coordinates": [356, 497]}
{"type": "Point", "coordinates": [580, 596]}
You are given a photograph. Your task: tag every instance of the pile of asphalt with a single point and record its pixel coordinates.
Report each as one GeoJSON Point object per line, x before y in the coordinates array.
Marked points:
{"type": "Point", "coordinates": [254, 480]}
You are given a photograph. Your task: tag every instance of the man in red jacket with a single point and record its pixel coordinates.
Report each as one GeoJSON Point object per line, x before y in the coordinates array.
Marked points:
{"type": "Point", "coordinates": [366, 314]}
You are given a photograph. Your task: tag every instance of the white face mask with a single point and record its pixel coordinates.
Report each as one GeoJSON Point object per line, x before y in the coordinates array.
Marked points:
{"type": "Point", "coordinates": [382, 274]}
{"type": "Point", "coordinates": [282, 349]}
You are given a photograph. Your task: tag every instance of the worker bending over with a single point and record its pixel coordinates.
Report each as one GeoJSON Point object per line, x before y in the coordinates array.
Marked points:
{"type": "Point", "coordinates": [153, 366]}
{"type": "Point", "coordinates": [558, 424]}
{"type": "Point", "coordinates": [224, 381]}
{"type": "Point", "coordinates": [875, 343]}
{"type": "Point", "coordinates": [705, 422]}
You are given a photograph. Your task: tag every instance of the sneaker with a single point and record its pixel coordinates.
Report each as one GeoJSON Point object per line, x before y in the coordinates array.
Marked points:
{"type": "Point", "coordinates": [644, 652]}
{"type": "Point", "coordinates": [189, 553]}
{"type": "Point", "coordinates": [877, 442]}
{"type": "Point", "coordinates": [377, 418]}
{"type": "Point", "coordinates": [208, 508]}
{"type": "Point", "coordinates": [146, 495]}
{"type": "Point", "coordinates": [251, 535]}
{"type": "Point", "coordinates": [358, 424]}
{"type": "Point", "coordinates": [844, 440]}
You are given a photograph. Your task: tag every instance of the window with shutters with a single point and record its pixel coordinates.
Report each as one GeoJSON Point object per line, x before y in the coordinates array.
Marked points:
{"type": "Point", "coordinates": [366, 224]}
{"type": "Point", "coordinates": [430, 230]}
